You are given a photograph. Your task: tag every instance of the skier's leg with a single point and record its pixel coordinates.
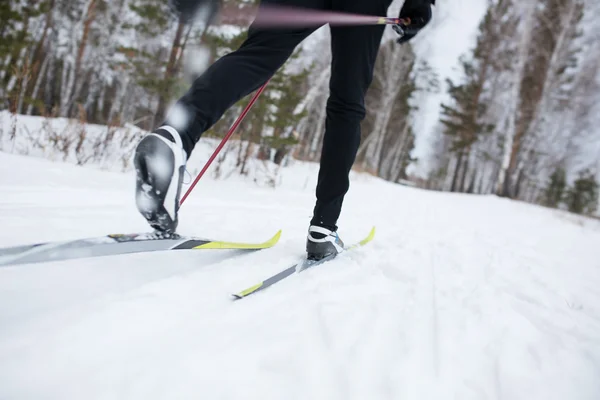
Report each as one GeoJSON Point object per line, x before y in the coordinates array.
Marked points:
{"type": "Point", "coordinates": [354, 53]}
{"type": "Point", "coordinates": [160, 157]}
{"type": "Point", "coordinates": [236, 75]}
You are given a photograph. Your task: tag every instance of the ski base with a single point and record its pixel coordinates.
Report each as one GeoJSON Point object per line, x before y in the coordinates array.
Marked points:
{"type": "Point", "coordinates": [118, 244]}
{"type": "Point", "coordinates": [296, 268]}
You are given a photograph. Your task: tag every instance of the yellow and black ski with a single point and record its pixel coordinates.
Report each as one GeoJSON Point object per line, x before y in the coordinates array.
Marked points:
{"type": "Point", "coordinates": [299, 267]}
{"type": "Point", "coordinates": [117, 244]}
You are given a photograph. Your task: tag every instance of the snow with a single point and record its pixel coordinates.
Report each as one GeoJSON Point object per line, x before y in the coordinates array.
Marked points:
{"type": "Point", "coordinates": [466, 297]}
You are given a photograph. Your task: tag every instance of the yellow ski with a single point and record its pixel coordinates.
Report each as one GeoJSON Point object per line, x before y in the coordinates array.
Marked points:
{"type": "Point", "coordinates": [242, 246]}
{"type": "Point", "coordinates": [117, 244]}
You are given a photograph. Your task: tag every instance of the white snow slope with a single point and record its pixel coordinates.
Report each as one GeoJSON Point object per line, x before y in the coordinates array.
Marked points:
{"type": "Point", "coordinates": [458, 297]}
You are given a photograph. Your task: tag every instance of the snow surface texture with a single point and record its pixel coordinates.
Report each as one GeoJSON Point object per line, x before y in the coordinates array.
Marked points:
{"type": "Point", "coordinates": [458, 297]}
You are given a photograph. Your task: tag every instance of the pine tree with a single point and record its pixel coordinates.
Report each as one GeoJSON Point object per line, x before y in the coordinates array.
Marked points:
{"type": "Point", "coordinates": [582, 197]}
{"type": "Point", "coordinates": [16, 44]}
{"type": "Point", "coordinates": [286, 92]}
{"type": "Point", "coordinates": [155, 66]}
{"type": "Point", "coordinates": [475, 111]}
{"type": "Point", "coordinates": [555, 191]}
{"type": "Point", "coordinates": [464, 120]}
{"type": "Point", "coordinates": [270, 124]}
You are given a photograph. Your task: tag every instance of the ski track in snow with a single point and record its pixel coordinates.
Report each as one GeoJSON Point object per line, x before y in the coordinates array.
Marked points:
{"type": "Point", "coordinates": [458, 297]}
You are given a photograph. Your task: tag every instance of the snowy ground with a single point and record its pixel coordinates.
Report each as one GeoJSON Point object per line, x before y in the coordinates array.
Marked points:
{"type": "Point", "coordinates": [458, 297]}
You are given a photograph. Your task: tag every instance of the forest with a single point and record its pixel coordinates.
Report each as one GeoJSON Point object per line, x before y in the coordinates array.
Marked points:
{"type": "Point", "coordinates": [521, 121]}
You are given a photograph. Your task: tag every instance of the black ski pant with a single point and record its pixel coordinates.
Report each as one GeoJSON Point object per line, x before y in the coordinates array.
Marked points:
{"type": "Point", "coordinates": [241, 72]}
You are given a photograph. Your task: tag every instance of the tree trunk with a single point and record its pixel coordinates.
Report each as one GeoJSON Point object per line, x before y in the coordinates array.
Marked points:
{"type": "Point", "coordinates": [393, 72]}
{"type": "Point", "coordinates": [502, 183]}
{"type": "Point", "coordinates": [22, 87]}
{"type": "Point", "coordinates": [38, 57]}
{"type": "Point", "coordinates": [471, 188]}
{"type": "Point", "coordinates": [541, 103]}
{"type": "Point", "coordinates": [71, 79]}
{"type": "Point", "coordinates": [89, 18]}
{"type": "Point", "coordinates": [170, 71]}
{"type": "Point", "coordinates": [395, 158]}
{"type": "Point", "coordinates": [480, 189]}
{"type": "Point", "coordinates": [456, 171]}
{"type": "Point", "coordinates": [50, 87]}
{"type": "Point", "coordinates": [117, 103]}
{"type": "Point", "coordinates": [465, 171]}
{"type": "Point", "coordinates": [38, 83]}
{"type": "Point", "coordinates": [517, 190]}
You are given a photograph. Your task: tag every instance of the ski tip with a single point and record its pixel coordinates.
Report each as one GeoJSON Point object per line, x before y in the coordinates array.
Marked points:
{"type": "Point", "coordinates": [248, 291]}
{"type": "Point", "coordinates": [366, 240]}
{"type": "Point", "coordinates": [273, 241]}
{"type": "Point", "coordinates": [369, 237]}
{"type": "Point", "coordinates": [240, 246]}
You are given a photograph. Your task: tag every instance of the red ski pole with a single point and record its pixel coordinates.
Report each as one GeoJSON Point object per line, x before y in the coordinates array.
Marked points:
{"type": "Point", "coordinates": [233, 128]}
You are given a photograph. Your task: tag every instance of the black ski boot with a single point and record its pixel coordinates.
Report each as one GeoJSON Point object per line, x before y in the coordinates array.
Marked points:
{"type": "Point", "coordinates": [322, 242]}
{"type": "Point", "coordinates": [160, 165]}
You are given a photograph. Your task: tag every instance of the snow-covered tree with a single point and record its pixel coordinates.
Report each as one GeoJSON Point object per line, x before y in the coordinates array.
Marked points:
{"type": "Point", "coordinates": [473, 116]}
{"type": "Point", "coordinates": [546, 87]}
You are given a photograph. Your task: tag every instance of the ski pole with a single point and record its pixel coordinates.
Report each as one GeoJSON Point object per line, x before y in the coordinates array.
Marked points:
{"type": "Point", "coordinates": [280, 16]}
{"type": "Point", "coordinates": [233, 128]}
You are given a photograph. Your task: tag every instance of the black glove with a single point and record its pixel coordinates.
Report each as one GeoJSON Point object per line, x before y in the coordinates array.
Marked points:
{"type": "Point", "coordinates": [415, 14]}
{"type": "Point", "coordinates": [188, 9]}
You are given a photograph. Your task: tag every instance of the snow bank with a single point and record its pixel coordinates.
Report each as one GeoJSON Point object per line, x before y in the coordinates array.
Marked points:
{"type": "Point", "coordinates": [111, 149]}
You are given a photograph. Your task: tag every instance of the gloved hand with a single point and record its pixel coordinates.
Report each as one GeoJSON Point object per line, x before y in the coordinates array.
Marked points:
{"type": "Point", "coordinates": [415, 14]}
{"type": "Point", "coordinates": [188, 9]}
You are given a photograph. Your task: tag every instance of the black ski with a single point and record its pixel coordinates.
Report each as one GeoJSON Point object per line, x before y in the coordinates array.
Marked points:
{"type": "Point", "coordinates": [299, 267]}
